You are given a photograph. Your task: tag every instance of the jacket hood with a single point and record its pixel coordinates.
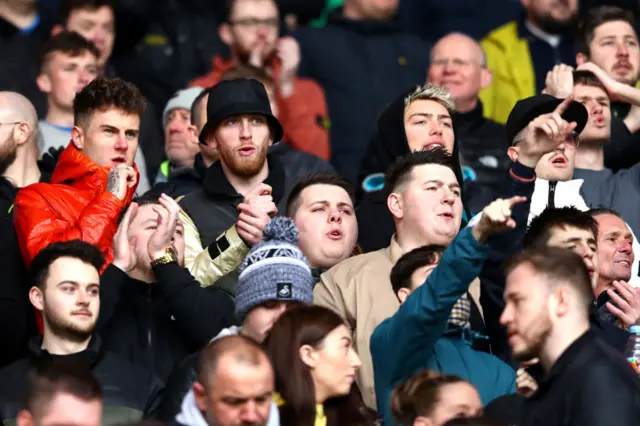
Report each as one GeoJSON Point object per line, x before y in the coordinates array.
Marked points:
{"type": "Point", "coordinates": [390, 142]}
{"type": "Point", "coordinates": [76, 169]}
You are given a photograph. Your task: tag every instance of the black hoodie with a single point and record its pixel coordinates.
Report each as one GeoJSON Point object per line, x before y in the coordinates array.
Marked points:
{"type": "Point", "coordinates": [389, 143]}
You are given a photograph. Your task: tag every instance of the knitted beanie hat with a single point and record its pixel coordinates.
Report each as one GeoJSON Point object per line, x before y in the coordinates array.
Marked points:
{"type": "Point", "coordinates": [182, 99]}
{"type": "Point", "coordinates": [274, 269]}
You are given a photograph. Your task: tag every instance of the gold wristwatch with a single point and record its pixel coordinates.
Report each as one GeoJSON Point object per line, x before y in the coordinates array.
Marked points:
{"type": "Point", "coordinates": [168, 257]}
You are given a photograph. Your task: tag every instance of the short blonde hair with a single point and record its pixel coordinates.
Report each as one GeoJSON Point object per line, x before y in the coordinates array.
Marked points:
{"type": "Point", "coordinates": [430, 92]}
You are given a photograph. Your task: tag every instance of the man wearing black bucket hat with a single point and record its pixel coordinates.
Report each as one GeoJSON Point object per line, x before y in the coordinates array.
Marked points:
{"type": "Point", "coordinates": [241, 127]}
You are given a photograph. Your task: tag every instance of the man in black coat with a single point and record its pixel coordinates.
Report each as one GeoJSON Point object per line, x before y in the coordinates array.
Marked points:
{"type": "Point", "coordinates": [67, 292]}
{"type": "Point", "coordinates": [154, 313]}
{"type": "Point", "coordinates": [548, 298]}
{"type": "Point", "coordinates": [362, 59]}
{"type": "Point", "coordinates": [241, 127]}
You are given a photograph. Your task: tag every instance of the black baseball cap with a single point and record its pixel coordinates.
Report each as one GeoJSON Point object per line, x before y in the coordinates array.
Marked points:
{"type": "Point", "coordinates": [528, 109]}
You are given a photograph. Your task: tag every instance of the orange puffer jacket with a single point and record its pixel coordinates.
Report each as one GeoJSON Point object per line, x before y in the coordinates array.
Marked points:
{"type": "Point", "coordinates": [75, 205]}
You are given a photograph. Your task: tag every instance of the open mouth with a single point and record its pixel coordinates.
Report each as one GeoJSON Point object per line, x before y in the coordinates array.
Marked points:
{"type": "Point", "coordinates": [599, 122]}
{"type": "Point", "coordinates": [559, 161]}
{"type": "Point", "coordinates": [118, 160]}
{"type": "Point", "coordinates": [247, 150]}
{"type": "Point", "coordinates": [432, 145]}
{"type": "Point", "coordinates": [335, 234]}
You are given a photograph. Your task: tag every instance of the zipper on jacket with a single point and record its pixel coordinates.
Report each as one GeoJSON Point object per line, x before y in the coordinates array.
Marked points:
{"type": "Point", "coordinates": [551, 202]}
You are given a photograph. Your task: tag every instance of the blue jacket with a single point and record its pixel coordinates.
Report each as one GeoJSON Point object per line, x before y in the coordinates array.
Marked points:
{"type": "Point", "coordinates": [416, 337]}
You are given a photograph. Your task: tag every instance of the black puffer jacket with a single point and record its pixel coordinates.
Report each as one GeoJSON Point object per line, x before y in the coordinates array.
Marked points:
{"type": "Point", "coordinates": [130, 392]}
{"type": "Point", "coordinates": [157, 325]}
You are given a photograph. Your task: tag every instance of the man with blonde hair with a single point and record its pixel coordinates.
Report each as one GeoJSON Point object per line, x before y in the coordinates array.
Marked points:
{"type": "Point", "coordinates": [418, 120]}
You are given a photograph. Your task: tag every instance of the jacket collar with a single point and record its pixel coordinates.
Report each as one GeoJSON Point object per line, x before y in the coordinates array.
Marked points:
{"type": "Point", "coordinates": [394, 251]}
{"type": "Point", "coordinates": [77, 170]}
{"type": "Point", "coordinates": [217, 186]}
{"type": "Point", "coordinates": [92, 355]}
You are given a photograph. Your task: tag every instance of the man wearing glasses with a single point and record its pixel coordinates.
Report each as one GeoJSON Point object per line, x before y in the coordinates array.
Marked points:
{"type": "Point", "coordinates": [252, 31]}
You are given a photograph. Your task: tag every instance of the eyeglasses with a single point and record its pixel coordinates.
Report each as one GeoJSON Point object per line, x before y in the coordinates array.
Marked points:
{"type": "Point", "coordinates": [255, 22]}
{"type": "Point", "coordinates": [11, 123]}
{"type": "Point", "coordinates": [573, 138]}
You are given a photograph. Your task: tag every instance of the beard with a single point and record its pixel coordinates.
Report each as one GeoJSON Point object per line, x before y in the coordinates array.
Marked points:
{"type": "Point", "coordinates": [245, 167]}
{"type": "Point", "coordinates": [535, 338]}
{"type": "Point", "coordinates": [552, 26]}
{"type": "Point", "coordinates": [64, 328]}
{"type": "Point", "coordinates": [8, 154]}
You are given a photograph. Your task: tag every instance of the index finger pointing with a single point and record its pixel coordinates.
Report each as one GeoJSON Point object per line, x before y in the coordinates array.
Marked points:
{"type": "Point", "coordinates": [560, 109]}
{"type": "Point", "coordinates": [516, 200]}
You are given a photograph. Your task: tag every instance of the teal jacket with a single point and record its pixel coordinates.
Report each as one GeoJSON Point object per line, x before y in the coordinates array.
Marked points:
{"type": "Point", "coordinates": [416, 336]}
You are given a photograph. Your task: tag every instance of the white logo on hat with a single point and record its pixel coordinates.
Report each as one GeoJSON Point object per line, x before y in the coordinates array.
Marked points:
{"type": "Point", "coordinates": [284, 290]}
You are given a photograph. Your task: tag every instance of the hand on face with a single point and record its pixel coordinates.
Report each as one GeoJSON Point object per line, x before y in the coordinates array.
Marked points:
{"type": "Point", "coordinates": [544, 134]}
{"type": "Point", "coordinates": [496, 217]}
{"type": "Point", "coordinates": [163, 236]}
{"type": "Point", "coordinates": [124, 256]}
{"type": "Point", "coordinates": [627, 300]}
{"type": "Point", "coordinates": [612, 86]}
{"type": "Point", "coordinates": [288, 51]}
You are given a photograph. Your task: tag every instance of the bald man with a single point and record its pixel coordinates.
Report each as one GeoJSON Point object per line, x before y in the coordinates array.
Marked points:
{"type": "Point", "coordinates": [235, 386]}
{"type": "Point", "coordinates": [459, 65]}
{"type": "Point", "coordinates": [18, 148]}
{"type": "Point", "coordinates": [18, 168]}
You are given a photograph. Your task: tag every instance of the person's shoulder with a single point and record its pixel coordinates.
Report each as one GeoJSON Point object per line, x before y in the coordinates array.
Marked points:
{"type": "Point", "coordinates": [502, 36]}
{"type": "Point", "coordinates": [15, 369]}
{"type": "Point", "coordinates": [298, 162]}
{"type": "Point", "coordinates": [359, 265]}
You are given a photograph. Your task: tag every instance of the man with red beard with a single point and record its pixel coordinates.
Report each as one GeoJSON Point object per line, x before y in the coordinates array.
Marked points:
{"type": "Point", "coordinates": [241, 127]}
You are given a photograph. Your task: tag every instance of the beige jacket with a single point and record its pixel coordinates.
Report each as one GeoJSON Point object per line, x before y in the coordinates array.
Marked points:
{"type": "Point", "coordinates": [359, 289]}
{"type": "Point", "coordinates": [228, 253]}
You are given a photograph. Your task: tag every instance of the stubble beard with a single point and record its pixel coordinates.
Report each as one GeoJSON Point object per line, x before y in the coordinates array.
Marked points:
{"type": "Point", "coordinates": [8, 154]}
{"type": "Point", "coordinates": [536, 339]}
{"type": "Point", "coordinates": [68, 330]}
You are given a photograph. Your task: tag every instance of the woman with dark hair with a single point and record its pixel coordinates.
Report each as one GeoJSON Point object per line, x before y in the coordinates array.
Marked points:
{"type": "Point", "coordinates": [431, 399]}
{"type": "Point", "coordinates": [315, 365]}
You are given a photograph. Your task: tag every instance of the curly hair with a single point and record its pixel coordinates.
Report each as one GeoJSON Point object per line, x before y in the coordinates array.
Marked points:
{"type": "Point", "coordinates": [106, 93]}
